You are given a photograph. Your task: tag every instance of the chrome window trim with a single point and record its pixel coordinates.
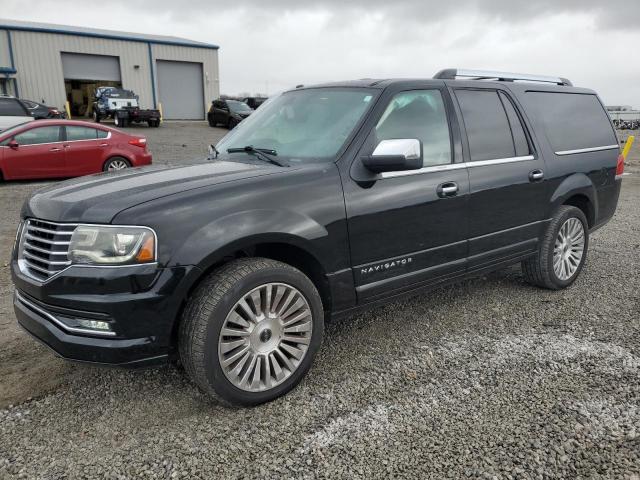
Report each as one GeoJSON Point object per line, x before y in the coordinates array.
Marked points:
{"type": "Point", "coordinates": [40, 281]}
{"type": "Point", "coordinates": [587, 150]}
{"type": "Point", "coordinates": [457, 166]}
{"type": "Point", "coordinates": [59, 323]}
{"type": "Point", "coordinates": [498, 161]}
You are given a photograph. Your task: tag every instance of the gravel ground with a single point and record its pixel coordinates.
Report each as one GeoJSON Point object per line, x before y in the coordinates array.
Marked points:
{"type": "Point", "coordinates": [490, 378]}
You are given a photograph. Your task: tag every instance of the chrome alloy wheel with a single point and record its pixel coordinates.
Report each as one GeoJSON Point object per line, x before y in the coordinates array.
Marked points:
{"type": "Point", "coordinates": [117, 165]}
{"type": "Point", "coordinates": [265, 337]}
{"type": "Point", "coordinates": [569, 248]}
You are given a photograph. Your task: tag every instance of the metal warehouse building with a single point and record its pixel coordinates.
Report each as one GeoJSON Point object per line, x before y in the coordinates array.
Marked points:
{"type": "Point", "coordinates": [54, 64]}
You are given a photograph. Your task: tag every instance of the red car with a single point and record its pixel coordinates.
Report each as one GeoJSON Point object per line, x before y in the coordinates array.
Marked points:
{"type": "Point", "coordinates": [67, 148]}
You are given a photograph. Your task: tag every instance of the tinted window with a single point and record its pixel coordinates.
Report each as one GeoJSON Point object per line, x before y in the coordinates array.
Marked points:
{"type": "Point", "coordinates": [10, 107]}
{"type": "Point", "coordinates": [517, 129]}
{"type": "Point", "coordinates": [418, 114]}
{"type": "Point", "coordinates": [572, 121]}
{"type": "Point", "coordinates": [486, 123]}
{"type": "Point", "coordinates": [81, 133]}
{"type": "Point", "coordinates": [38, 135]}
{"type": "Point", "coordinates": [236, 106]}
{"type": "Point", "coordinates": [102, 133]}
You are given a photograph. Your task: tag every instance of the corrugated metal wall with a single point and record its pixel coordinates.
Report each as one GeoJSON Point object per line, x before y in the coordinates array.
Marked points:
{"type": "Point", "coordinates": [5, 58]}
{"type": "Point", "coordinates": [39, 65]}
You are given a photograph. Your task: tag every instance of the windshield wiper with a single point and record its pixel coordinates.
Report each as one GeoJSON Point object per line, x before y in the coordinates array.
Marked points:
{"type": "Point", "coordinates": [266, 154]}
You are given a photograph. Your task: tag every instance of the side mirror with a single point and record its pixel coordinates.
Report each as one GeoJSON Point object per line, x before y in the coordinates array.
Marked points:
{"type": "Point", "coordinates": [13, 144]}
{"type": "Point", "coordinates": [395, 155]}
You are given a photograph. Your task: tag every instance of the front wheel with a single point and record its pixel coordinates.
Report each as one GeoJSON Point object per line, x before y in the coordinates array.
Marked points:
{"type": "Point", "coordinates": [96, 116]}
{"type": "Point", "coordinates": [251, 330]}
{"type": "Point", "coordinates": [562, 251]}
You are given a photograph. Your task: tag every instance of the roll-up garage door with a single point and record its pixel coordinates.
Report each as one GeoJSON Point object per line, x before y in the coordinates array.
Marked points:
{"type": "Point", "coordinates": [80, 66]}
{"type": "Point", "coordinates": [181, 90]}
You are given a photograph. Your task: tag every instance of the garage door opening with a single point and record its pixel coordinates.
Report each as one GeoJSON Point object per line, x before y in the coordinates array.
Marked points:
{"type": "Point", "coordinates": [83, 73]}
{"type": "Point", "coordinates": [181, 90]}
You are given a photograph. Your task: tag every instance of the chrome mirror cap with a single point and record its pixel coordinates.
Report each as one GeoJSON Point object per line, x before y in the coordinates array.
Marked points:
{"type": "Point", "coordinates": [409, 148]}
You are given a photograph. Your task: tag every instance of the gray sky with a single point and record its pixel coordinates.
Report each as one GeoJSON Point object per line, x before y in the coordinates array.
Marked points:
{"type": "Point", "coordinates": [270, 45]}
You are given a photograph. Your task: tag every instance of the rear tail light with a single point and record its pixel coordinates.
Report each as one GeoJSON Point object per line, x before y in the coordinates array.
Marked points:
{"type": "Point", "coordinates": [620, 167]}
{"type": "Point", "coordinates": [138, 142]}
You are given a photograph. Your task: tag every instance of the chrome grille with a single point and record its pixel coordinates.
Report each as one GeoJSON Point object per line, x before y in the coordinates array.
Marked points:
{"type": "Point", "coordinates": [44, 248]}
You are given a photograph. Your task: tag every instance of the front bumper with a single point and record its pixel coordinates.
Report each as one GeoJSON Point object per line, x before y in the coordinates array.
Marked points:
{"type": "Point", "coordinates": [140, 304]}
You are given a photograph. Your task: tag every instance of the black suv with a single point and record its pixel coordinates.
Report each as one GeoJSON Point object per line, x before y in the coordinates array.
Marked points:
{"type": "Point", "coordinates": [228, 113]}
{"type": "Point", "coordinates": [327, 200]}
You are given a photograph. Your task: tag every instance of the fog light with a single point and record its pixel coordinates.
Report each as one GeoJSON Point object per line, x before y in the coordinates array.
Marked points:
{"type": "Point", "coordinates": [94, 325]}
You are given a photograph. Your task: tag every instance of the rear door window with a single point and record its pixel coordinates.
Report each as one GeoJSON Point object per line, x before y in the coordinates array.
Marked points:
{"type": "Point", "coordinates": [80, 133]}
{"type": "Point", "coordinates": [487, 125]}
{"type": "Point", "coordinates": [572, 121]}
{"type": "Point", "coordinates": [517, 129]}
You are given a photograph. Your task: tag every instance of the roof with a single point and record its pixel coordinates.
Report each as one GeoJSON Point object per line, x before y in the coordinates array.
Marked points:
{"type": "Point", "coordinates": [7, 24]}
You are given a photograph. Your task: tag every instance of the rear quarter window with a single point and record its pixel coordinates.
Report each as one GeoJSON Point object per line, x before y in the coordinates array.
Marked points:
{"type": "Point", "coordinates": [572, 121]}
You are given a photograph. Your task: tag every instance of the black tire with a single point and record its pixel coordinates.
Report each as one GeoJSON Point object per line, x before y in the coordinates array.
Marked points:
{"type": "Point", "coordinates": [96, 116]}
{"type": "Point", "coordinates": [231, 123]}
{"type": "Point", "coordinates": [121, 121]}
{"type": "Point", "coordinates": [112, 161]}
{"type": "Point", "coordinates": [538, 270]}
{"type": "Point", "coordinates": [205, 314]}
{"type": "Point", "coordinates": [211, 122]}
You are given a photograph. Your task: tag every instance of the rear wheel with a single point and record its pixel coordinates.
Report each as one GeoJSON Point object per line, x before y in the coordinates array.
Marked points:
{"type": "Point", "coordinates": [120, 121]}
{"type": "Point", "coordinates": [250, 331]}
{"type": "Point", "coordinates": [562, 251]}
{"type": "Point", "coordinates": [116, 163]}
{"type": "Point", "coordinates": [211, 122]}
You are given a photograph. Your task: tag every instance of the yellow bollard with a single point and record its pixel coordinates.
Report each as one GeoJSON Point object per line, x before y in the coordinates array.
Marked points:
{"type": "Point", "coordinates": [627, 146]}
{"type": "Point", "coordinates": [160, 108]}
{"type": "Point", "coordinates": [68, 109]}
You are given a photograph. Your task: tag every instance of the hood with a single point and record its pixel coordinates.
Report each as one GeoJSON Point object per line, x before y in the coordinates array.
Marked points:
{"type": "Point", "coordinates": [98, 198]}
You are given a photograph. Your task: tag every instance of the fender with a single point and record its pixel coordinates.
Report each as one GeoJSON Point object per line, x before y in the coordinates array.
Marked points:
{"type": "Point", "coordinates": [575, 184]}
{"type": "Point", "coordinates": [212, 242]}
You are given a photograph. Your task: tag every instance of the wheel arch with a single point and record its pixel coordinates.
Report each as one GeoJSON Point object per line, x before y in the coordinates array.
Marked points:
{"type": "Point", "coordinates": [285, 248]}
{"type": "Point", "coordinates": [579, 191]}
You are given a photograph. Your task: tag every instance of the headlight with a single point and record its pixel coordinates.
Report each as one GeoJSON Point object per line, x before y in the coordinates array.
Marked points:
{"type": "Point", "coordinates": [103, 245]}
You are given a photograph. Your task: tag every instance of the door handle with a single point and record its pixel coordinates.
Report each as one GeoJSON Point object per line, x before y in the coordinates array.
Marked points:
{"type": "Point", "coordinates": [104, 145]}
{"type": "Point", "coordinates": [536, 175]}
{"type": "Point", "coordinates": [447, 189]}
{"type": "Point", "coordinates": [54, 149]}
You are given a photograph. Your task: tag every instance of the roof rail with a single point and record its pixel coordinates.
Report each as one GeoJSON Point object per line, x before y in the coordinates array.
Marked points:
{"type": "Point", "coordinates": [453, 73]}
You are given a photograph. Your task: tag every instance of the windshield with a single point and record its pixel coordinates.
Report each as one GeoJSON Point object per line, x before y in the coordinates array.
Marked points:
{"type": "Point", "coordinates": [302, 125]}
{"type": "Point", "coordinates": [237, 106]}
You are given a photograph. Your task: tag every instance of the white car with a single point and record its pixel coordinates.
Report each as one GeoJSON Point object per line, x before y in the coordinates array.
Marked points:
{"type": "Point", "coordinates": [12, 112]}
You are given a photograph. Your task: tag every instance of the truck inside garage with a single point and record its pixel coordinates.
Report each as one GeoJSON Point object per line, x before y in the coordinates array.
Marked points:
{"type": "Point", "coordinates": [83, 73]}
